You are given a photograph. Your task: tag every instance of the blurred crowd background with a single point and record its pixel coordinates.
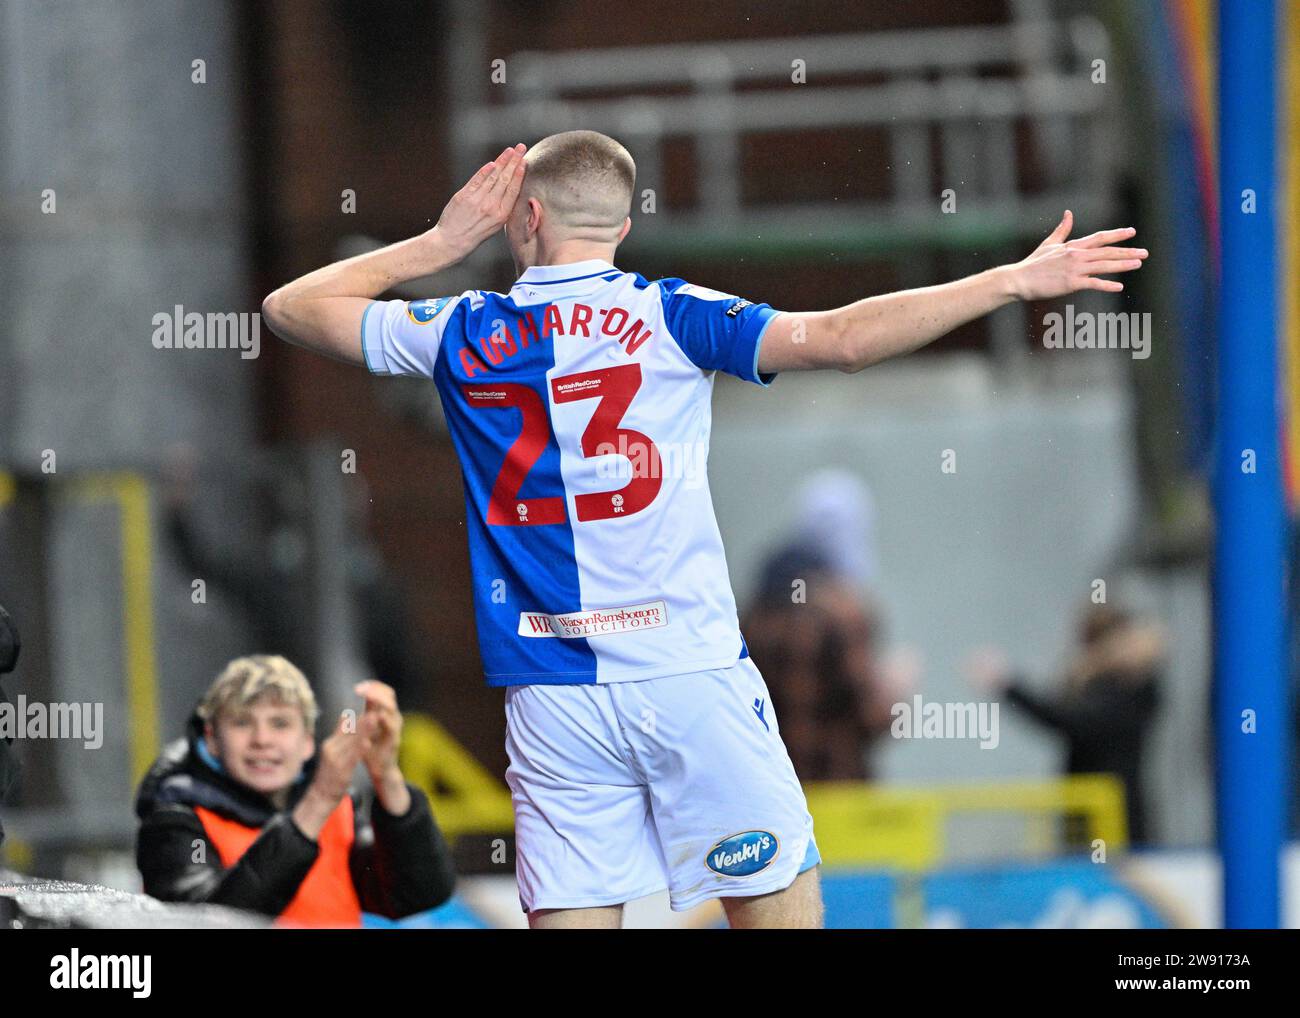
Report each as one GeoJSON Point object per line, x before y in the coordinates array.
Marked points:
{"type": "Point", "coordinates": [988, 521]}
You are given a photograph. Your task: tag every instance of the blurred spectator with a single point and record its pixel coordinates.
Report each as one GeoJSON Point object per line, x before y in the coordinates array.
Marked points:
{"type": "Point", "coordinates": [1105, 706]}
{"type": "Point", "coordinates": [271, 580]}
{"type": "Point", "coordinates": [244, 812]}
{"type": "Point", "coordinates": [815, 635]}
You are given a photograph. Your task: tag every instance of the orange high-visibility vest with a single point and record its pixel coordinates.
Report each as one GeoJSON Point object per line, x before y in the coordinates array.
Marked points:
{"type": "Point", "coordinates": [326, 896]}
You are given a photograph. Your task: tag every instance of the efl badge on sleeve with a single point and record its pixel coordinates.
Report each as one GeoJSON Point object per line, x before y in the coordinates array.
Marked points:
{"type": "Point", "coordinates": [422, 312]}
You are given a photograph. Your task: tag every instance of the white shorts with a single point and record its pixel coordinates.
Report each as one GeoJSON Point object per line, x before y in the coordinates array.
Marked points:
{"type": "Point", "coordinates": [623, 789]}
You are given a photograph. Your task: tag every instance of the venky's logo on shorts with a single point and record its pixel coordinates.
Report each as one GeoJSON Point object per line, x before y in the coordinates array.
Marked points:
{"type": "Point", "coordinates": [744, 854]}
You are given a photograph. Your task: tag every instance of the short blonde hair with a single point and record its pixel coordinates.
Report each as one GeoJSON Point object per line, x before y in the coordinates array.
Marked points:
{"type": "Point", "coordinates": [584, 179]}
{"type": "Point", "coordinates": [247, 680]}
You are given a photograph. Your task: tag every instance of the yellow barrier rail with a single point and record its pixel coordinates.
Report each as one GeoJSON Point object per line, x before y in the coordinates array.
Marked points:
{"type": "Point", "coordinates": [130, 494]}
{"type": "Point", "coordinates": [906, 828]}
{"type": "Point", "coordinates": [889, 827]}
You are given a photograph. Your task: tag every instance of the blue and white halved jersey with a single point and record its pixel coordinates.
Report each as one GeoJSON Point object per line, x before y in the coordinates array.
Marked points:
{"type": "Point", "coordinates": [580, 406]}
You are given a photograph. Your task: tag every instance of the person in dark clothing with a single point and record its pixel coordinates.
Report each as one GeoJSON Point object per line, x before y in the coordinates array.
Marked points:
{"type": "Point", "coordinates": [244, 812]}
{"type": "Point", "coordinates": [819, 659]}
{"type": "Point", "coordinates": [1110, 696]}
{"type": "Point", "coordinates": [816, 635]}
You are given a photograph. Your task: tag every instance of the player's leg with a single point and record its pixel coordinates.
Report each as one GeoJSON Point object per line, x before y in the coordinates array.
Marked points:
{"type": "Point", "coordinates": [729, 811]}
{"type": "Point", "coordinates": [797, 907]}
{"type": "Point", "coordinates": [606, 918]}
{"type": "Point", "coordinates": [584, 836]}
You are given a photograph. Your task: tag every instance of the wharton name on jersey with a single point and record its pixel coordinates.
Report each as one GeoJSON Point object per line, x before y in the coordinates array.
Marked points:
{"type": "Point", "coordinates": [581, 320]}
{"type": "Point", "coordinates": [624, 577]}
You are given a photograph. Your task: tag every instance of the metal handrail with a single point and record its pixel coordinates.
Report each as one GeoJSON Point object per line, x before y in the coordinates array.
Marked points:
{"type": "Point", "coordinates": [937, 82]}
{"type": "Point", "coordinates": [907, 50]}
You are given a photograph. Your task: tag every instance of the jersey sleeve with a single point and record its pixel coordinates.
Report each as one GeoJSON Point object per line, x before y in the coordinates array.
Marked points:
{"type": "Point", "coordinates": [400, 337]}
{"type": "Point", "coordinates": [718, 331]}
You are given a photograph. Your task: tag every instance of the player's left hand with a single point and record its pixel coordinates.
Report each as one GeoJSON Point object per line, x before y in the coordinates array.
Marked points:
{"type": "Point", "coordinates": [1059, 267]}
{"type": "Point", "coordinates": [479, 209]}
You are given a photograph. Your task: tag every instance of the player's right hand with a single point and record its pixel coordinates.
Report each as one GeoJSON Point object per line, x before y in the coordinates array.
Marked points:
{"type": "Point", "coordinates": [480, 208]}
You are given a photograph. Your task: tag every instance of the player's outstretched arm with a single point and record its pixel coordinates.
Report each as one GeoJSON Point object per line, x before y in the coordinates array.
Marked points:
{"type": "Point", "coordinates": [858, 335]}
{"type": "Point", "coordinates": [322, 310]}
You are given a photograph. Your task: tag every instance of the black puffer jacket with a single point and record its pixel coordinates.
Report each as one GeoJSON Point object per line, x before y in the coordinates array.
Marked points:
{"type": "Point", "coordinates": [399, 865]}
{"type": "Point", "coordinates": [1106, 725]}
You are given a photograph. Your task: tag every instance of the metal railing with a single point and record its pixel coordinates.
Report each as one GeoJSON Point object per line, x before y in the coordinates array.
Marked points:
{"type": "Point", "coordinates": [956, 106]}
